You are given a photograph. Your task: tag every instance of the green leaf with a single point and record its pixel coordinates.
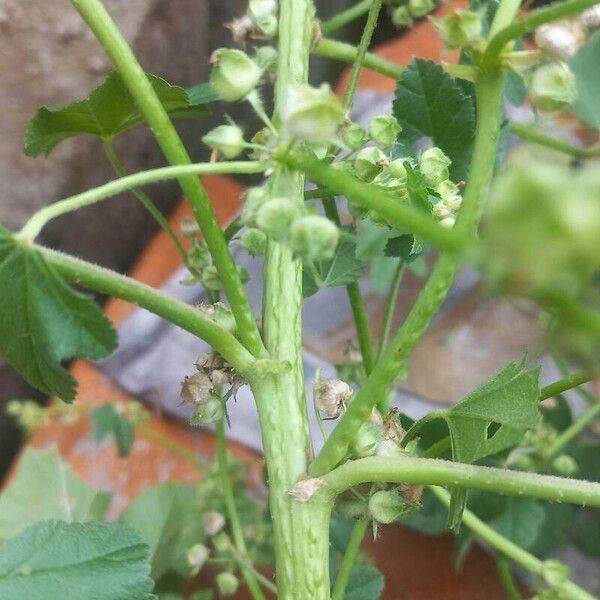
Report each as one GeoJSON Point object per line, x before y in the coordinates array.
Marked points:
{"type": "Point", "coordinates": [108, 111]}
{"type": "Point", "coordinates": [417, 188]}
{"type": "Point", "coordinates": [405, 247]}
{"type": "Point", "coordinates": [492, 418]}
{"type": "Point", "coordinates": [45, 488]}
{"type": "Point", "coordinates": [365, 583]}
{"type": "Point", "coordinates": [586, 532]}
{"type": "Point", "coordinates": [342, 269]}
{"type": "Point", "coordinates": [168, 517]}
{"type": "Point", "coordinates": [429, 103]}
{"type": "Point", "coordinates": [521, 521]}
{"type": "Point", "coordinates": [585, 67]}
{"type": "Point", "coordinates": [108, 421]}
{"type": "Point", "coordinates": [370, 246]}
{"type": "Point", "coordinates": [43, 321]}
{"type": "Point", "coordinates": [56, 560]}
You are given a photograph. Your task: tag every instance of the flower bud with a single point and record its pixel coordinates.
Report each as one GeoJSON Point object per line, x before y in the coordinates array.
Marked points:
{"type": "Point", "coordinates": [387, 506]}
{"type": "Point", "coordinates": [222, 543]}
{"type": "Point", "coordinates": [220, 314]}
{"type": "Point", "coordinates": [384, 129]}
{"type": "Point", "coordinates": [354, 136]}
{"type": "Point", "coordinates": [210, 279]}
{"type": "Point", "coordinates": [441, 211]}
{"type": "Point", "coordinates": [312, 114]}
{"type": "Point", "coordinates": [369, 162]}
{"type": "Point", "coordinates": [262, 8]}
{"type": "Point", "coordinates": [560, 40]}
{"type": "Point", "coordinates": [313, 237]}
{"type": "Point", "coordinates": [210, 411]}
{"type": "Point", "coordinates": [368, 437]}
{"type": "Point", "coordinates": [555, 573]}
{"type": "Point", "coordinates": [331, 397]}
{"type": "Point", "coordinates": [254, 241]}
{"type": "Point", "coordinates": [433, 164]}
{"type": "Point", "coordinates": [448, 222]}
{"type": "Point", "coordinates": [401, 17]}
{"type": "Point", "coordinates": [459, 29]}
{"type": "Point", "coordinates": [552, 87]}
{"type": "Point", "coordinates": [266, 59]}
{"type": "Point", "coordinates": [419, 8]}
{"type": "Point", "coordinates": [234, 74]}
{"type": "Point", "coordinates": [212, 522]}
{"type": "Point", "coordinates": [268, 25]}
{"type": "Point", "coordinates": [227, 139]}
{"type": "Point", "coordinates": [397, 169]}
{"type": "Point", "coordinates": [196, 557]}
{"type": "Point", "coordinates": [255, 198]}
{"type": "Point", "coordinates": [227, 583]}
{"type": "Point", "coordinates": [351, 507]}
{"type": "Point", "coordinates": [564, 465]}
{"type": "Point", "coordinates": [389, 449]}
{"type": "Point", "coordinates": [276, 216]}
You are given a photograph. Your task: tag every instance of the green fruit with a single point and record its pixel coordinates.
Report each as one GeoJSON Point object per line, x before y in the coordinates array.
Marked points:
{"type": "Point", "coordinates": [234, 74]}
{"type": "Point", "coordinates": [254, 241]}
{"type": "Point", "coordinates": [227, 139]}
{"type": "Point", "coordinates": [313, 237]}
{"type": "Point", "coordinates": [369, 162]}
{"type": "Point", "coordinates": [433, 164]}
{"type": "Point", "coordinates": [387, 506]}
{"type": "Point", "coordinates": [384, 130]}
{"type": "Point", "coordinates": [552, 87]}
{"type": "Point", "coordinates": [275, 217]}
{"type": "Point", "coordinates": [227, 583]}
{"type": "Point", "coordinates": [367, 440]}
{"type": "Point", "coordinates": [459, 29]}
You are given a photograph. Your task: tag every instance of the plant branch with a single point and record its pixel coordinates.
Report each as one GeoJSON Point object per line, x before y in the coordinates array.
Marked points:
{"type": "Point", "coordinates": [108, 282]}
{"type": "Point", "coordinates": [38, 220]}
{"type": "Point", "coordinates": [390, 305]}
{"type": "Point", "coordinates": [362, 194]}
{"type": "Point", "coordinates": [527, 132]}
{"type": "Point", "coordinates": [346, 16]}
{"type": "Point", "coordinates": [352, 550]}
{"type": "Point", "coordinates": [558, 10]}
{"type": "Point", "coordinates": [427, 471]}
{"type": "Point", "coordinates": [508, 548]}
{"type": "Point", "coordinates": [232, 514]}
{"type": "Point", "coordinates": [563, 385]}
{"type": "Point", "coordinates": [136, 81]}
{"type": "Point", "coordinates": [506, 579]}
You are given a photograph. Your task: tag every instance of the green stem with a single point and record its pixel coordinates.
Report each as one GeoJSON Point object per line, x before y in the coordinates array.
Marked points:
{"type": "Point", "coordinates": [136, 81]}
{"type": "Point", "coordinates": [346, 16]}
{"type": "Point", "coordinates": [507, 580]}
{"type": "Point", "coordinates": [427, 471]}
{"type": "Point", "coordinates": [352, 550]}
{"type": "Point", "coordinates": [232, 514]}
{"type": "Point", "coordinates": [533, 20]}
{"type": "Point", "coordinates": [571, 432]}
{"type": "Point", "coordinates": [527, 132]}
{"type": "Point", "coordinates": [244, 563]}
{"type": "Point", "coordinates": [365, 195]}
{"type": "Point", "coordinates": [570, 382]}
{"type": "Point", "coordinates": [174, 447]}
{"type": "Point", "coordinates": [361, 52]}
{"type": "Point", "coordinates": [357, 303]}
{"type": "Point", "coordinates": [569, 310]}
{"type": "Point", "coordinates": [348, 53]}
{"type": "Point", "coordinates": [390, 306]}
{"type": "Point", "coordinates": [505, 14]}
{"type": "Point", "coordinates": [489, 95]}
{"type": "Point", "coordinates": [38, 220]}
{"type": "Point", "coordinates": [120, 170]}
{"type": "Point", "coordinates": [508, 548]}
{"type": "Point", "coordinates": [187, 317]}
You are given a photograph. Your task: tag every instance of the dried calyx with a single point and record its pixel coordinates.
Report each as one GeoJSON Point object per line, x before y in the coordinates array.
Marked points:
{"type": "Point", "coordinates": [331, 397]}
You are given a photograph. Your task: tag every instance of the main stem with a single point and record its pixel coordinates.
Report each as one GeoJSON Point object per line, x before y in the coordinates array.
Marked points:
{"type": "Point", "coordinates": [301, 530]}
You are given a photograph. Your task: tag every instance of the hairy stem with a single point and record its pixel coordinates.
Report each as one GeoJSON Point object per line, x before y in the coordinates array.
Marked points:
{"type": "Point", "coordinates": [508, 548]}
{"type": "Point", "coordinates": [232, 514]}
{"type": "Point", "coordinates": [427, 471]}
{"type": "Point", "coordinates": [38, 220]}
{"type": "Point", "coordinates": [136, 81]}
{"type": "Point", "coordinates": [113, 284]}
{"type": "Point", "coordinates": [346, 16]}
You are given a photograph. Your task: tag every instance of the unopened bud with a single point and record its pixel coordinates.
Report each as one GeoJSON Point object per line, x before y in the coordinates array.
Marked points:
{"type": "Point", "coordinates": [255, 198]}
{"type": "Point", "coordinates": [266, 58]}
{"type": "Point", "coordinates": [312, 114]}
{"type": "Point", "coordinates": [276, 216]}
{"type": "Point", "coordinates": [384, 129]}
{"type": "Point", "coordinates": [555, 573]}
{"type": "Point", "coordinates": [401, 17]}
{"type": "Point", "coordinates": [441, 211]}
{"type": "Point", "coordinates": [331, 397]}
{"type": "Point", "coordinates": [211, 411]}
{"type": "Point", "coordinates": [552, 87]}
{"type": "Point", "coordinates": [227, 139]}
{"type": "Point", "coordinates": [234, 74]}
{"type": "Point", "coordinates": [560, 40]}
{"type": "Point", "coordinates": [369, 162]}
{"type": "Point", "coordinates": [262, 8]}
{"type": "Point", "coordinates": [433, 164]}
{"type": "Point", "coordinates": [354, 136]}
{"type": "Point", "coordinates": [387, 506]}
{"type": "Point", "coordinates": [267, 25]}
{"type": "Point", "coordinates": [366, 441]}
{"type": "Point", "coordinates": [212, 522]}
{"type": "Point", "coordinates": [196, 557]}
{"type": "Point", "coordinates": [210, 279]}
{"type": "Point", "coordinates": [221, 543]}
{"type": "Point", "coordinates": [448, 222]}
{"type": "Point", "coordinates": [313, 237]}
{"type": "Point", "coordinates": [564, 465]}
{"type": "Point", "coordinates": [227, 583]}
{"type": "Point", "coordinates": [397, 169]}
{"type": "Point", "coordinates": [419, 8]}
{"type": "Point", "coordinates": [351, 507]}
{"type": "Point", "coordinates": [254, 241]}
{"type": "Point", "coordinates": [462, 28]}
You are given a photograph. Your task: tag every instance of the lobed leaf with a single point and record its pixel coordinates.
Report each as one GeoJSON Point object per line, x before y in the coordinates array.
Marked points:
{"type": "Point", "coordinates": [108, 111]}
{"type": "Point", "coordinates": [365, 583]}
{"type": "Point", "coordinates": [95, 561]}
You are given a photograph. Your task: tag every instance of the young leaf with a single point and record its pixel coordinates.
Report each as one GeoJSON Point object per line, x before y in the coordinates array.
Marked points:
{"type": "Point", "coordinates": [46, 488]}
{"type": "Point", "coordinates": [417, 188]}
{"type": "Point", "coordinates": [492, 418]}
{"type": "Point", "coordinates": [108, 111]}
{"type": "Point", "coordinates": [342, 269]}
{"type": "Point", "coordinates": [96, 561]}
{"type": "Point", "coordinates": [169, 519]}
{"type": "Point", "coordinates": [43, 321]}
{"type": "Point", "coordinates": [405, 247]}
{"type": "Point", "coordinates": [585, 67]}
{"type": "Point", "coordinates": [108, 421]}
{"type": "Point", "coordinates": [365, 583]}
{"type": "Point", "coordinates": [430, 104]}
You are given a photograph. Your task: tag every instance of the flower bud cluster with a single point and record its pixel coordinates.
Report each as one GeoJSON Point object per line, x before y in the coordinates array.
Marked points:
{"type": "Point", "coordinates": [552, 87]}
{"type": "Point", "coordinates": [404, 12]}
{"type": "Point", "coordinates": [234, 74]}
{"type": "Point", "coordinates": [461, 29]}
{"type": "Point", "coordinates": [259, 22]}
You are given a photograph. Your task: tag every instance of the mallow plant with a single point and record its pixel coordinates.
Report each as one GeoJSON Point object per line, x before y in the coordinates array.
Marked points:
{"type": "Point", "coordinates": [504, 465]}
